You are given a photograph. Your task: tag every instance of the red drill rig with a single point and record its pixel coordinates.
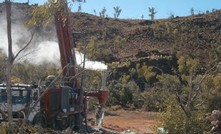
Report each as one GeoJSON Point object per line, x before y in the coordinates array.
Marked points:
{"type": "Point", "coordinates": [63, 105]}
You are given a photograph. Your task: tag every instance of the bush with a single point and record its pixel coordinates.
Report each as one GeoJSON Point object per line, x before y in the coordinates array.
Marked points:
{"type": "Point", "coordinates": [121, 92]}
{"type": "Point", "coordinates": [27, 128]}
{"type": "Point", "coordinates": [175, 121]}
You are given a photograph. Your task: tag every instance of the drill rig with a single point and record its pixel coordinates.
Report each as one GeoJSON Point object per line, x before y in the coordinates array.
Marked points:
{"type": "Point", "coordinates": [63, 105]}
{"type": "Point", "coordinates": [79, 99]}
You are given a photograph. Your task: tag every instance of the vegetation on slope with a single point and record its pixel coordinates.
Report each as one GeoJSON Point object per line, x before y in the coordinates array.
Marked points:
{"type": "Point", "coordinates": [171, 65]}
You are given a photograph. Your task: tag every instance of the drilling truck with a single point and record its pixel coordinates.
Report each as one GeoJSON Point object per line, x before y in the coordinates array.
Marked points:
{"type": "Point", "coordinates": [50, 105]}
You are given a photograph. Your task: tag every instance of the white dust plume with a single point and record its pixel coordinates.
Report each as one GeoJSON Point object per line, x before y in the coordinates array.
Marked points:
{"type": "Point", "coordinates": [42, 49]}
{"type": "Point", "coordinates": [91, 65]}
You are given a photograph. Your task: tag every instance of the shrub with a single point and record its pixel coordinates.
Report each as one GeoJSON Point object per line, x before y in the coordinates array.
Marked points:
{"type": "Point", "coordinates": [175, 121]}
{"type": "Point", "coordinates": [121, 92]}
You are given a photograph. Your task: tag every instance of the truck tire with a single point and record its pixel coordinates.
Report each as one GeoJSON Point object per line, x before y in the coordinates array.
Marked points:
{"type": "Point", "coordinates": [39, 120]}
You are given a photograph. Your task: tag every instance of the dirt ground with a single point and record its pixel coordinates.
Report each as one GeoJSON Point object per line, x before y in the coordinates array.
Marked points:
{"type": "Point", "coordinates": [139, 122]}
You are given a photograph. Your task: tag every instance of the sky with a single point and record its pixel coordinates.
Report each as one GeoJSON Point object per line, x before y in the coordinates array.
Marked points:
{"type": "Point", "coordinates": [135, 9]}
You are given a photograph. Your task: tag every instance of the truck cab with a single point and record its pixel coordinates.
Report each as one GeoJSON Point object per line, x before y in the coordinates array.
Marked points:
{"type": "Point", "coordinates": [23, 96]}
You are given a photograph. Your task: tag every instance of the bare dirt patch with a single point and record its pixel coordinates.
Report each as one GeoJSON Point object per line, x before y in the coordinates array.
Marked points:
{"type": "Point", "coordinates": [135, 121]}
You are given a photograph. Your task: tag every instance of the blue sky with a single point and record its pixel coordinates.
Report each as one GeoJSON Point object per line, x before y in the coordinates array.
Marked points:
{"type": "Point", "coordinates": [135, 9]}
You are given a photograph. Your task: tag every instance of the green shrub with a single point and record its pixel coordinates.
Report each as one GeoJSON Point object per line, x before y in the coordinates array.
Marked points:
{"type": "Point", "coordinates": [121, 92]}
{"type": "Point", "coordinates": [175, 121]}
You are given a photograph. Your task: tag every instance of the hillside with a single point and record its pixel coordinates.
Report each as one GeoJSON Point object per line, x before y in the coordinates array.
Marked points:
{"type": "Point", "coordinates": [192, 35]}
{"type": "Point", "coordinates": [122, 43]}
{"type": "Point", "coordinates": [171, 66]}
{"type": "Point", "coordinates": [157, 43]}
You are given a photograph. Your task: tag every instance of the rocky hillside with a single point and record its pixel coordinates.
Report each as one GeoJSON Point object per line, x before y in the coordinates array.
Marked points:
{"type": "Point", "coordinates": [157, 42]}
{"type": "Point", "coordinates": [122, 43]}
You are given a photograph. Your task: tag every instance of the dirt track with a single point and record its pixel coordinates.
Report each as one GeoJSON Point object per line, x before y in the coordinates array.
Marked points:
{"type": "Point", "coordinates": [135, 121]}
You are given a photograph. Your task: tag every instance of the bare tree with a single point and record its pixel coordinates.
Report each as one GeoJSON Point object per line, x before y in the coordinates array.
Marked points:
{"type": "Point", "coordinates": [102, 13]}
{"type": "Point", "coordinates": [10, 60]}
{"type": "Point", "coordinates": [171, 15]}
{"type": "Point", "coordinates": [95, 13]}
{"type": "Point", "coordinates": [192, 11]}
{"type": "Point", "coordinates": [79, 8]}
{"type": "Point", "coordinates": [79, 4]}
{"type": "Point", "coordinates": [9, 64]}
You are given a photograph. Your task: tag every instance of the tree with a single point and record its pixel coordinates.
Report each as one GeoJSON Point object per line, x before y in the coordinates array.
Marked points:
{"type": "Point", "coordinates": [186, 96]}
{"type": "Point", "coordinates": [171, 15]}
{"type": "Point", "coordinates": [79, 8]}
{"type": "Point", "coordinates": [102, 13]}
{"type": "Point", "coordinates": [93, 49]}
{"type": "Point", "coordinates": [119, 42]}
{"type": "Point", "coordinates": [214, 9]}
{"type": "Point", "coordinates": [142, 16]}
{"type": "Point", "coordinates": [144, 74]}
{"type": "Point", "coordinates": [95, 13]}
{"type": "Point", "coordinates": [10, 60]}
{"type": "Point", "coordinates": [9, 64]}
{"type": "Point", "coordinates": [152, 12]}
{"type": "Point", "coordinates": [77, 2]}
{"type": "Point", "coordinates": [192, 11]}
{"type": "Point", "coordinates": [117, 11]}
{"type": "Point", "coordinates": [121, 92]}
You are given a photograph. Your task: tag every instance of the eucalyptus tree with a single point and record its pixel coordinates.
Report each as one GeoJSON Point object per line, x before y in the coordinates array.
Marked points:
{"type": "Point", "coordinates": [117, 11]}
{"type": "Point", "coordinates": [152, 12]}
{"type": "Point", "coordinates": [10, 60]}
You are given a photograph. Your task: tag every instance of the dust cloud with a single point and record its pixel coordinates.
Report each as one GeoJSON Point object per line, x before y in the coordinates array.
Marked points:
{"type": "Point", "coordinates": [42, 49]}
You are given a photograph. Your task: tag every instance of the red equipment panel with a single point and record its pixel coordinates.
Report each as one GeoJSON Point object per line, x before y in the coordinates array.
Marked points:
{"type": "Point", "coordinates": [51, 102]}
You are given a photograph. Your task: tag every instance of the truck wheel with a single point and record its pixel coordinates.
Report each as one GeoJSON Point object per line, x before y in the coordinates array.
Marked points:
{"type": "Point", "coordinates": [40, 121]}
{"type": "Point", "coordinates": [72, 122]}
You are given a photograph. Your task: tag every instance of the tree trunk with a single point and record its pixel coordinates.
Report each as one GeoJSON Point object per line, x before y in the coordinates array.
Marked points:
{"type": "Point", "coordinates": [9, 66]}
